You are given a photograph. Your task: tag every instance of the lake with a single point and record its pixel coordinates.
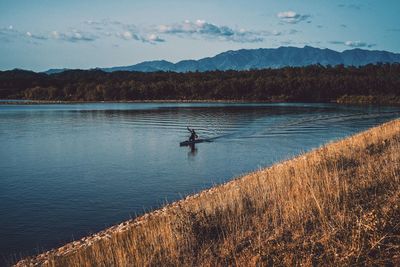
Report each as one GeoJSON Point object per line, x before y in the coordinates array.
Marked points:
{"type": "Point", "coordinates": [68, 170]}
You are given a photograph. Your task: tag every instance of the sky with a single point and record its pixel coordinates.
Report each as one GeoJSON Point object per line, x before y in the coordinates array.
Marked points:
{"type": "Point", "coordinates": [42, 34]}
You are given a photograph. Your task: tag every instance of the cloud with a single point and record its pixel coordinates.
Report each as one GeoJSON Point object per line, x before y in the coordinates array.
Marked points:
{"type": "Point", "coordinates": [276, 33]}
{"type": "Point", "coordinates": [36, 36]}
{"type": "Point", "coordinates": [127, 35]}
{"type": "Point", "coordinates": [336, 42]}
{"type": "Point", "coordinates": [358, 44]}
{"type": "Point", "coordinates": [290, 42]}
{"type": "Point", "coordinates": [91, 30]}
{"type": "Point", "coordinates": [9, 34]}
{"type": "Point", "coordinates": [110, 28]}
{"type": "Point", "coordinates": [73, 36]}
{"type": "Point", "coordinates": [292, 17]}
{"type": "Point", "coordinates": [153, 38]}
{"type": "Point", "coordinates": [149, 38]}
{"type": "Point", "coordinates": [128, 32]}
{"type": "Point", "coordinates": [353, 44]}
{"type": "Point", "coordinates": [101, 25]}
{"type": "Point", "coordinates": [207, 30]}
{"type": "Point", "coordinates": [199, 26]}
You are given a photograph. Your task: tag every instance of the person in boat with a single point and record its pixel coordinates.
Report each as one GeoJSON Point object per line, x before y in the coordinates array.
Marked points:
{"type": "Point", "coordinates": [193, 134]}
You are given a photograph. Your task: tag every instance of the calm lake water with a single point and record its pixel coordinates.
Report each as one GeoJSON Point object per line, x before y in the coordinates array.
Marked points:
{"type": "Point", "coordinates": [70, 170]}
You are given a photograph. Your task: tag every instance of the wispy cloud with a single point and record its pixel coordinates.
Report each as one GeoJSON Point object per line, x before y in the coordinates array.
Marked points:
{"type": "Point", "coordinates": [91, 30]}
{"type": "Point", "coordinates": [292, 17]}
{"type": "Point", "coordinates": [297, 43]}
{"type": "Point", "coordinates": [12, 34]}
{"type": "Point", "coordinates": [199, 26]}
{"type": "Point", "coordinates": [103, 22]}
{"type": "Point", "coordinates": [207, 30]}
{"type": "Point", "coordinates": [154, 38]}
{"type": "Point", "coordinates": [36, 36]}
{"type": "Point", "coordinates": [358, 44]}
{"type": "Point", "coordinates": [105, 26]}
{"type": "Point", "coordinates": [150, 38]}
{"type": "Point", "coordinates": [73, 36]}
{"type": "Point", "coordinates": [127, 35]}
{"type": "Point", "coordinates": [353, 44]}
{"type": "Point", "coordinates": [124, 31]}
{"type": "Point", "coordinates": [9, 34]}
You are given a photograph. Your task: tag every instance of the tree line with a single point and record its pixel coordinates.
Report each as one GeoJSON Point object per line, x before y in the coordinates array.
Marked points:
{"type": "Point", "coordinates": [314, 83]}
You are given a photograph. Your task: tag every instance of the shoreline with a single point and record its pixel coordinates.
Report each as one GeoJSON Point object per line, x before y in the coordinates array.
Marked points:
{"type": "Point", "coordinates": [155, 229]}
{"type": "Point", "coordinates": [361, 100]}
{"type": "Point", "coordinates": [49, 102]}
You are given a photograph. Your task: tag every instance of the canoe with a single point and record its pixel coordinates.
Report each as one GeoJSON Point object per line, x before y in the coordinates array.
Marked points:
{"type": "Point", "coordinates": [188, 143]}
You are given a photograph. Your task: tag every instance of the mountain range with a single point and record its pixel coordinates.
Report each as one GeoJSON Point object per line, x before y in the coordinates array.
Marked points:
{"type": "Point", "coordinates": [245, 59]}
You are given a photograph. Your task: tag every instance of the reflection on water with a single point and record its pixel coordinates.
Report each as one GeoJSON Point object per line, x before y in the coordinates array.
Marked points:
{"type": "Point", "coordinates": [68, 170]}
{"type": "Point", "coordinates": [192, 150]}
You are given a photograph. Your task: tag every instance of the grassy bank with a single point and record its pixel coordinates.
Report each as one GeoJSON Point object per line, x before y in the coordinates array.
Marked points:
{"type": "Point", "coordinates": [336, 205]}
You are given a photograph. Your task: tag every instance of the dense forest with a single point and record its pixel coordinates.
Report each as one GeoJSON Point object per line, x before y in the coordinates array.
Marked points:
{"type": "Point", "coordinates": [311, 83]}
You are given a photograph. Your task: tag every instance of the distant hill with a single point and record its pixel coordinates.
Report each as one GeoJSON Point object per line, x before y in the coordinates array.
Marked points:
{"type": "Point", "coordinates": [245, 59]}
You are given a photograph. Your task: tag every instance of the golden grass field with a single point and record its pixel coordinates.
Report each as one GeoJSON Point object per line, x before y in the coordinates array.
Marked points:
{"type": "Point", "coordinates": [338, 205]}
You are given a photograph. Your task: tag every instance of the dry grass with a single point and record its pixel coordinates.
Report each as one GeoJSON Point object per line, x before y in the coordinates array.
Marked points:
{"type": "Point", "coordinates": [337, 205]}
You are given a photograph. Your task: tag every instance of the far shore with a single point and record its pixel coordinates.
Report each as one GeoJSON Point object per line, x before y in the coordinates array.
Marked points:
{"type": "Point", "coordinates": [33, 102]}
{"type": "Point", "coordinates": [345, 100]}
